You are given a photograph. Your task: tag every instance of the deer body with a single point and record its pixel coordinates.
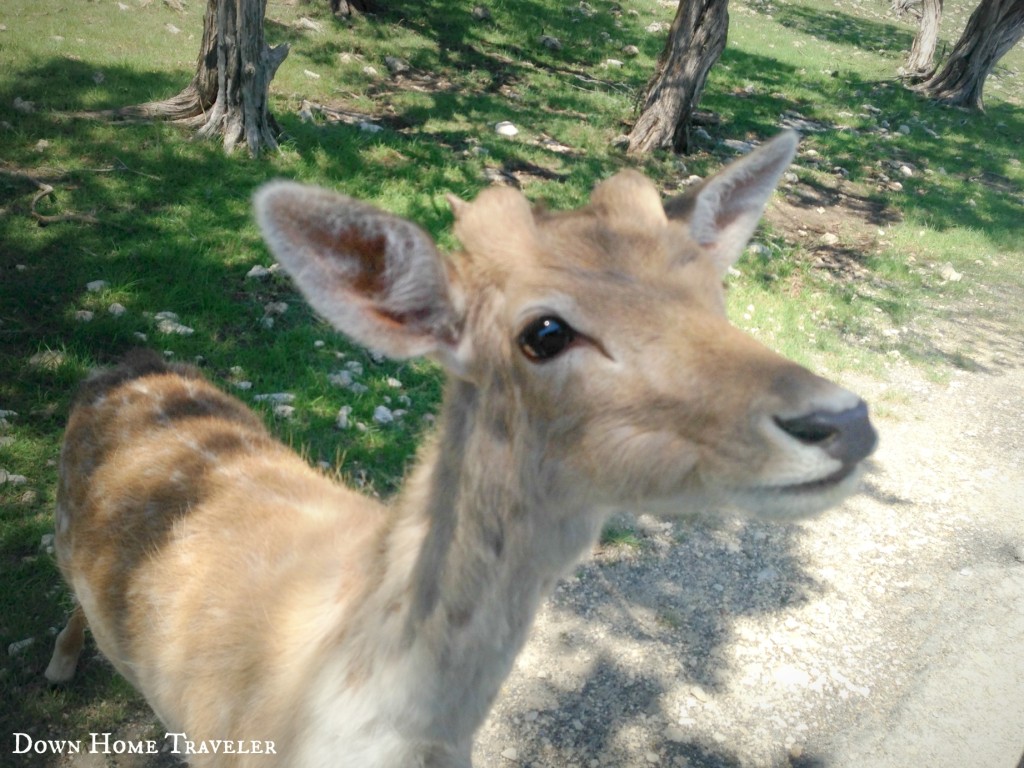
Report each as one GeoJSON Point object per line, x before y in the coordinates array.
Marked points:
{"type": "Point", "coordinates": [590, 367]}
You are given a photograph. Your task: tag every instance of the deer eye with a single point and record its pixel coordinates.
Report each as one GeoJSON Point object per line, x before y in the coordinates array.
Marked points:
{"type": "Point", "coordinates": [546, 338]}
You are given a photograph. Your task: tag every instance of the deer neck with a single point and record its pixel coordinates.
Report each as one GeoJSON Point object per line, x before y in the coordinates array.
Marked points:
{"type": "Point", "coordinates": [500, 530]}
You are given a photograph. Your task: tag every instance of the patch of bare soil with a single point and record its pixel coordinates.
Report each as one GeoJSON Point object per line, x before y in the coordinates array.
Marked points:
{"type": "Point", "coordinates": [835, 221]}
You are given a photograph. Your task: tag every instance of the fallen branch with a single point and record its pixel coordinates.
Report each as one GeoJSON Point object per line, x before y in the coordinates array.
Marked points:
{"type": "Point", "coordinates": [46, 190]}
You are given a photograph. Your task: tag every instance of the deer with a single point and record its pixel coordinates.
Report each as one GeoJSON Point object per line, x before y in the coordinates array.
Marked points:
{"type": "Point", "coordinates": [590, 367]}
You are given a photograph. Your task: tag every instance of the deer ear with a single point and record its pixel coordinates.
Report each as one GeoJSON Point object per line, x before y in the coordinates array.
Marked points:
{"type": "Point", "coordinates": [724, 210]}
{"type": "Point", "coordinates": [375, 277]}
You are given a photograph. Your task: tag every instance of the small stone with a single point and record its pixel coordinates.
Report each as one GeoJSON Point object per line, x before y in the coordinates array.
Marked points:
{"type": "Point", "coordinates": [172, 29]}
{"type": "Point", "coordinates": [42, 145]}
{"type": "Point", "coordinates": [393, 382]}
{"type": "Point", "coordinates": [948, 273]}
{"type": "Point", "coordinates": [284, 411]}
{"type": "Point", "coordinates": [790, 178]}
{"type": "Point", "coordinates": [370, 71]}
{"type": "Point", "coordinates": [84, 315]}
{"type": "Point", "coordinates": [245, 386]}
{"type": "Point", "coordinates": [698, 693]}
{"type": "Point", "coordinates": [275, 397]}
{"type": "Point", "coordinates": [23, 106]}
{"type": "Point", "coordinates": [743, 147]}
{"type": "Point", "coordinates": [505, 128]}
{"type": "Point", "coordinates": [614, 63]}
{"type": "Point", "coordinates": [17, 647]}
{"type": "Point", "coordinates": [169, 323]}
{"type": "Point", "coordinates": [307, 23]}
{"type": "Point", "coordinates": [656, 27]}
{"type": "Point", "coordinates": [630, 51]}
{"type": "Point", "coordinates": [343, 420]}
{"type": "Point", "coordinates": [829, 238]}
{"type": "Point", "coordinates": [46, 543]}
{"type": "Point", "coordinates": [318, 344]}
{"type": "Point", "coordinates": [95, 286]}
{"type": "Point", "coordinates": [907, 171]}
{"type": "Point", "coordinates": [395, 65]}
{"type": "Point", "coordinates": [551, 43]}
{"type": "Point", "coordinates": [276, 307]}
{"type": "Point", "coordinates": [340, 378]}
{"type": "Point", "coordinates": [904, 129]}
{"type": "Point", "coordinates": [481, 13]}
{"type": "Point", "coordinates": [383, 415]}
{"type": "Point", "coordinates": [672, 733]}
{"type": "Point", "coordinates": [367, 127]}
{"type": "Point", "coordinates": [652, 757]}
{"type": "Point", "coordinates": [116, 309]}
{"type": "Point", "coordinates": [311, 74]}
{"type": "Point", "coordinates": [511, 753]}
{"type": "Point", "coordinates": [258, 272]}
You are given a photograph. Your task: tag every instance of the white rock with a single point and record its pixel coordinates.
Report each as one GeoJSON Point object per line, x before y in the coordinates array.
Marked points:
{"type": "Point", "coordinates": [370, 71]}
{"type": "Point", "coordinates": [948, 273]}
{"type": "Point", "coordinates": [395, 65]}
{"type": "Point", "coordinates": [116, 309]}
{"type": "Point", "coordinates": [17, 647]}
{"type": "Point", "coordinates": [383, 415]}
{"type": "Point", "coordinates": [790, 177]}
{"type": "Point", "coordinates": [311, 74]}
{"type": "Point", "coordinates": [306, 23]}
{"type": "Point", "coordinates": [481, 13]}
{"type": "Point", "coordinates": [393, 382]}
{"type": "Point", "coordinates": [904, 129]}
{"type": "Point", "coordinates": [258, 272]}
{"type": "Point", "coordinates": [612, 63]}
{"type": "Point", "coordinates": [340, 378]}
{"type": "Point", "coordinates": [829, 239]}
{"type": "Point", "coordinates": [343, 419]}
{"type": "Point", "coordinates": [907, 171]}
{"type": "Point", "coordinates": [172, 29]}
{"type": "Point", "coordinates": [652, 758]}
{"type": "Point", "coordinates": [738, 146]}
{"type": "Point", "coordinates": [243, 385]}
{"type": "Point", "coordinates": [84, 315]}
{"type": "Point", "coordinates": [276, 307]}
{"type": "Point", "coordinates": [277, 398]}
{"type": "Point", "coordinates": [24, 106]}
{"type": "Point", "coordinates": [95, 286]}
{"type": "Point", "coordinates": [657, 27]}
{"type": "Point", "coordinates": [505, 128]}
{"type": "Point", "coordinates": [168, 322]}
{"type": "Point", "coordinates": [551, 43]}
{"type": "Point", "coordinates": [511, 753]}
{"type": "Point", "coordinates": [630, 50]}
{"type": "Point", "coordinates": [284, 411]}
{"type": "Point", "coordinates": [368, 127]}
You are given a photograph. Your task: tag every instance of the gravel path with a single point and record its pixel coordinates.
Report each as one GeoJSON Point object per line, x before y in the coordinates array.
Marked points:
{"type": "Point", "coordinates": [888, 633]}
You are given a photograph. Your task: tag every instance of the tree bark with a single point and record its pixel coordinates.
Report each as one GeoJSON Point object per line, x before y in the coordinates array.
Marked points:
{"type": "Point", "coordinates": [227, 96]}
{"type": "Point", "coordinates": [346, 8]}
{"type": "Point", "coordinates": [992, 30]}
{"type": "Point", "coordinates": [695, 41]}
{"type": "Point", "coordinates": [922, 51]}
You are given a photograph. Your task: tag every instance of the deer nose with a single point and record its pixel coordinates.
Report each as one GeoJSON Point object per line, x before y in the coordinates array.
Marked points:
{"type": "Point", "coordinates": [846, 436]}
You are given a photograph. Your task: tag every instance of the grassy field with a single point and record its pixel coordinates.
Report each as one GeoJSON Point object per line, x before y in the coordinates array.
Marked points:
{"type": "Point", "coordinates": [173, 232]}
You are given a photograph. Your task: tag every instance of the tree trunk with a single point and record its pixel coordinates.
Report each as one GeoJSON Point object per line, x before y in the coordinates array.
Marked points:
{"type": "Point", "coordinates": [695, 41]}
{"type": "Point", "coordinates": [228, 93]}
{"type": "Point", "coordinates": [922, 51]}
{"type": "Point", "coordinates": [992, 30]}
{"type": "Point", "coordinates": [346, 8]}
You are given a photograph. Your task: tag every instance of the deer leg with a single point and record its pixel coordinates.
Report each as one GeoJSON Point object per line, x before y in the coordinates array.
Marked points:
{"type": "Point", "coordinates": [67, 648]}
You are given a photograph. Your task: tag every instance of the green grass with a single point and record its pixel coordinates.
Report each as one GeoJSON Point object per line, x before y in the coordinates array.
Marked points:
{"type": "Point", "coordinates": [175, 232]}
